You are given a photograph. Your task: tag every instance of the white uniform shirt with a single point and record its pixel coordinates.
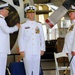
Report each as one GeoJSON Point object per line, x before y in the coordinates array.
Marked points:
{"type": "Point", "coordinates": [69, 44]}
{"type": "Point", "coordinates": [4, 35]}
{"type": "Point", "coordinates": [31, 38]}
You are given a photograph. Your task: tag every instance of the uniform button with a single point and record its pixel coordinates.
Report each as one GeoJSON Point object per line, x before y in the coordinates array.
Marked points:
{"type": "Point", "coordinates": [32, 38]}
{"type": "Point", "coordinates": [32, 44]}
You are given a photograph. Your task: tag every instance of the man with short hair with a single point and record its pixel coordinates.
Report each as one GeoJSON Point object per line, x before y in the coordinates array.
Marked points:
{"type": "Point", "coordinates": [4, 37]}
{"type": "Point", "coordinates": [31, 42]}
{"type": "Point", "coordinates": [69, 45]}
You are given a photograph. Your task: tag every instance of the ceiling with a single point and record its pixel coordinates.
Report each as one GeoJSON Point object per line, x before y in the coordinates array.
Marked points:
{"type": "Point", "coordinates": [42, 1]}
{"type": "Point", "coordinates": [54, 2]}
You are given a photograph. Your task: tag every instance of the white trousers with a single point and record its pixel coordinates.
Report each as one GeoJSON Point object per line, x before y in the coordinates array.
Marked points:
{"type": "Point", "coordinates": [72, 64]}
{"type": "Point", "coordinates": [3, 61]}
{"type": "Point", "coordinates": [32, 64]}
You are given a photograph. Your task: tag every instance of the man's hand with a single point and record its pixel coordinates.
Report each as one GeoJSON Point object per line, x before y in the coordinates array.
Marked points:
{"type": "Point", "coordinates": [42, 53]}
{"type": "Point", "coordinates": [22, 54]}
{"type": "Point", "coordinates": [73, 53]}
{"type": "Point", "coordinates": [18, 25]}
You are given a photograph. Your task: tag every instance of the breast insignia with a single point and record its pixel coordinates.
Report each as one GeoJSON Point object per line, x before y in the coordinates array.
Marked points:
{"type": "Point", "coordinates": [37, 31]}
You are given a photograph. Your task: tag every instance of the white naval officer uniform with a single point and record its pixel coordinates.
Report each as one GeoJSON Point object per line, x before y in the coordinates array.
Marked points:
{"type": "Point", "coordinates": [4, 43]}
{"type": "Point", "coordinates": [69, 45]}
{"type": "Point", "coordinates": [31, 41]}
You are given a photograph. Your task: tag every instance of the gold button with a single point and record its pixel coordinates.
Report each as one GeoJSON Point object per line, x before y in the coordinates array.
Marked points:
{"type": "Point", "coordinates": [32, 44]}
{"type": "Point", "coordinates": [32, 38]}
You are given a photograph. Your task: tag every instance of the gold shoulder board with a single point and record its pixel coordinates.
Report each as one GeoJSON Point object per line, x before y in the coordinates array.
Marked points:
{"type": "Point", "coordinates": [71, 28]}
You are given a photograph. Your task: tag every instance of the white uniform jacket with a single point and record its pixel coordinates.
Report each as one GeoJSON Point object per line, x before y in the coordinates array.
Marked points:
{"type": "Point", "coordinates": [69, 44]}
{"type": "Point", "coordinates": [4, 35]}
{"type": "Point", "coordinates": [31, 38]}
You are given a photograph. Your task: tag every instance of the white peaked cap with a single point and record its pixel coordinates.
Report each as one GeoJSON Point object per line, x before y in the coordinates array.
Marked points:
{"type": "Point", "coordinates": [3, 5]}
{"type": "Point", "coordinates": [72, 9]}
{"type": "Point", "coordinates": [30, 7]}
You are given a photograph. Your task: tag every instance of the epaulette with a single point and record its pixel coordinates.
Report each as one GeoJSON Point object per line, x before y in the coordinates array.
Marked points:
{"type": "Point", "coordinates": [23, 22]}
{"type": "Point", "coordinates": [38, 21]}
{"type": "Point", "coordinates": [1, 17]}
{"type": "Point", "coordinates": [71, 27]}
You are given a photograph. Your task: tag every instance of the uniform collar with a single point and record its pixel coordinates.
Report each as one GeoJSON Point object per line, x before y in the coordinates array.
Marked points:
{"type": "Point", "coordinates": [2, 16]}
{"type": "Point", "coordinates": [31, 21]}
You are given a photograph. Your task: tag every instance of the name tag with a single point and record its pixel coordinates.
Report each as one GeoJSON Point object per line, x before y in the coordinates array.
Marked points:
{"type": "Point", "coordinates": [27, 27]}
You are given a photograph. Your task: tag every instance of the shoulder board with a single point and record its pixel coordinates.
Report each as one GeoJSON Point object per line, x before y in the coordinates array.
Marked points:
{"type": "Point", "coordinates": [23, 22]}
{"type": "Point", "coordinates": [71, 27]}
{"type": "Point", "coordinates": [38, 21]}
{"type": "Point", "coordinates": [1, 17]}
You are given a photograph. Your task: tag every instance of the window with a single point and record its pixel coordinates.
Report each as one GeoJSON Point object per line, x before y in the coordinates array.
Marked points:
{"type": "Point", "coordinates": [16, 2]}
{"type": "Point", "coordinates": [45, 31]}
{"type": "Point", "coordinates": [65, 23]}
{"type": "Point", "coordinates": [53, 33]}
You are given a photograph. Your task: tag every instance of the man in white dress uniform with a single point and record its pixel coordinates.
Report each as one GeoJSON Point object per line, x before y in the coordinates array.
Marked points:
{"type": "Point", "coordinates": [4, 37]}
{"type": "Point", "coordinates": [31, 42]}
{"type": "Point", "coordinates": [69, 45]}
